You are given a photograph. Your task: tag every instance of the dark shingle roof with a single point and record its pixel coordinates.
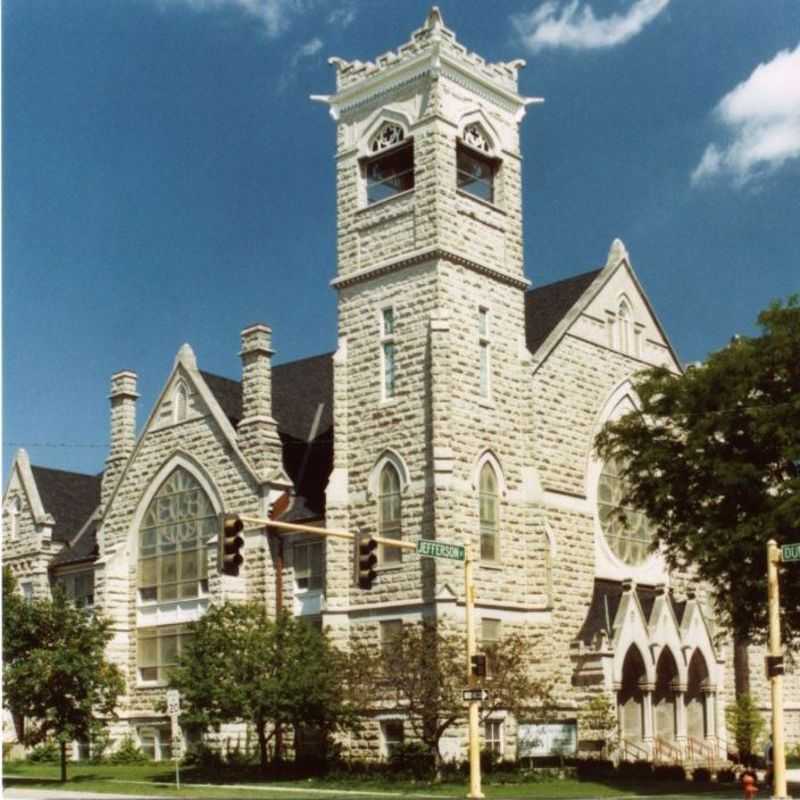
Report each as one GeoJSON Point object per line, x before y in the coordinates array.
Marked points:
{"type": "Point", "coordinates": [84, 548]}
{"type": "Point", "coordinates": [547, 305]}
{"type": "Point", "coordinates": [70, 497]}
{"type": "Point", "coordinates": [302, 404]}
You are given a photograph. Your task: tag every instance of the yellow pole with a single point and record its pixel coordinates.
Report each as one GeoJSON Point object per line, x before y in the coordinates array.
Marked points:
{"type": "Point", "coordinates": [776, 681]}
{"type": "Point", "coordinates": [474, 735]}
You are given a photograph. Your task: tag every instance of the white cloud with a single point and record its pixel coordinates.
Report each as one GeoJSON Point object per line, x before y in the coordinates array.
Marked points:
{"type": "Point", "coordinates": [276, 15]}
{"type": "Point", "coordinates": [342, 17]}
{"type": "Point", "coordinates": [307, 50]}
{"type": "Point", "coordinates": [760, 120]}
{"type": "Point", "coordinates": [575, 26]}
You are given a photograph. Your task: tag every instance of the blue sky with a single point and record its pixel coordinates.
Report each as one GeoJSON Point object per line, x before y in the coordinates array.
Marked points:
{"type": "Point", "coordinates": [166, 178]}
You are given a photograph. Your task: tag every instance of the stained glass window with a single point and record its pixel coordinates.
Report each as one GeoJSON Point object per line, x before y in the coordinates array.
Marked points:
{"type": "Point", "coordinates": [627, 530]}
{"type": "Point", "coordinates": [172, 552]}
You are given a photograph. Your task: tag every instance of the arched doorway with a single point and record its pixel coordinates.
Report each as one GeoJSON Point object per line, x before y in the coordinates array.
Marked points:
{"type": "Point", "coordinates": [664, 712]}
{"type": "Point", "coordinates": [697, 722]}
{"type": "Point", "coordinates": [631, 696]}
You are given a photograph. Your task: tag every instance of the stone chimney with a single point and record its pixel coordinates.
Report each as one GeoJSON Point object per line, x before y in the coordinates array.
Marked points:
{"type": "Point", "coordinates": [258, 431]}
{"type": "Point", "coordinates": [123, 429]}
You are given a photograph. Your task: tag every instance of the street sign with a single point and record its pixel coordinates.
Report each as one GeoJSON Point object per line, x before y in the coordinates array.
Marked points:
{"type": "Point", "coordinates": [470, 695]}
{"type": "Point", "coordinates": [435, 549]}
{"type": "Point", "coordinates": [790, 552]}
{"type": "Point", "coordinates": [173, 702]}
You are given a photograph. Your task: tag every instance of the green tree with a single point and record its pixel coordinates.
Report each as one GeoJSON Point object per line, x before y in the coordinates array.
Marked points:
{"type": "Point", "coordinates": [713, 459]}
{"type": "Point", "coordinates": [421, 673]}
{"type": "Point", "coordinates": [599, 719]}
{"type": "Point", "coordinates": [241, 666]}
{"type": "Point", "coordinates": [746, 723]}
{"type": "Point", "coordinates": [55, 672]}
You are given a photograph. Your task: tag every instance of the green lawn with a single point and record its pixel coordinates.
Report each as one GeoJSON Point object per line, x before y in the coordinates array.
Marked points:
{"type": "Point", "coordinates": [147, 779]}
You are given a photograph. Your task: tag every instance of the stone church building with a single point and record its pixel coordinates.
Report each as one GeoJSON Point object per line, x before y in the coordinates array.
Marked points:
{"type": "Point", "coordinates": [461, 404]}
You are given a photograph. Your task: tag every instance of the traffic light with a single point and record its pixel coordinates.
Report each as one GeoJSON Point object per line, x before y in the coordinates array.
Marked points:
{"type": "Point", "coordinates": [230, 543]}
{"type": "Point", "coordinates": [365, 562]}
{"type": "Point", "coordinates": [478, 665]}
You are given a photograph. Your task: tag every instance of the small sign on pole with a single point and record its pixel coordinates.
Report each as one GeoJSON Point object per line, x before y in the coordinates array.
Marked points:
{"type": "Point", "coordinates": [174, 709]}
{"type": "Point", "coordinates": [790, 552]}
{"type": "Point", "coordinates": [435, 549]}
{"type": "Point", "coordinates": [475, 695]}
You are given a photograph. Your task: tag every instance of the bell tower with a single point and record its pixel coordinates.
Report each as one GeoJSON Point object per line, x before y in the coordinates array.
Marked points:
{"type": "Point", "coordinates": [430, 283]}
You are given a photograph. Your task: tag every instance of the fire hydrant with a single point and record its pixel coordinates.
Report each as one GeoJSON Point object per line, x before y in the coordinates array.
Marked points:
{"type": "Point", "coordinates": [749, 786]}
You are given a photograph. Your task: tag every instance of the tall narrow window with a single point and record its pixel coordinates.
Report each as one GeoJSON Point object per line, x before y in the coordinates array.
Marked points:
{"type": "Point", "coordinates": [493, 736]}
{"type": "Point", "coordinates": [475, 167]}
{"type": "Point", "coordinates": [391, 170]}
{"type": "Point", "coordinates": [309, 558]}
{"type": "Point", "coordinates": [393, 736]}
{"type": "Point", "coordinates": [488, 513]}
{"type": "Point", "coordinates": [490, 635]}
{"type": "Point", "coordinates": [389, 513]}
{"type": "Point", "coordinates": [13, 510]}
{"type": "Point", "coordinates": [624, 318]}
{"type": "Point", "coordinates": [181, 402]}
{"type": "Point", "coordinates": [485, 353]}
{"type": "Point", "coordinates": [78, 587]}
{"type": "Point", "coordinates": [390, 630]}
{"type": "Point", "coordinates": [387, 353]}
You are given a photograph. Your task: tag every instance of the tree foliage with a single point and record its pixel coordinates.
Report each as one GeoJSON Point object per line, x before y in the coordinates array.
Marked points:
{"type": "Point", "coordinates": [713, 458]}
{"type": "Point", "coordinates": [421, 673]}
{"type": "Point", "coordinates": [747, 725]}
{"type": "Point", "coordinates": [241, 666]}
{"type": "Point", "coordinates": [55, 671]}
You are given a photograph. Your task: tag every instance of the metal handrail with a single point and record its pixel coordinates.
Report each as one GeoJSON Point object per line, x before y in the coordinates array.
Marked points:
{"type": "Point", "coordinates": [638, 750]}
{"type": "Point", "coordinates": [666, 751]}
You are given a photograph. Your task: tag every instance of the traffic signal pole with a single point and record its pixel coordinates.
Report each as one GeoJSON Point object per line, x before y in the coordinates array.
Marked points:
{"type": "Point", "coordinates": [776, 675]}
{"type": "Point", "coordinates": [474, 734]}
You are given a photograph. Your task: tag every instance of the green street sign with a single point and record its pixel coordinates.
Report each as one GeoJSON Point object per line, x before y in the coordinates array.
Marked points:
{"type": "Point", "coordinates": [434, 549]}
{"type": "Point", "coordinates": [789, 552]}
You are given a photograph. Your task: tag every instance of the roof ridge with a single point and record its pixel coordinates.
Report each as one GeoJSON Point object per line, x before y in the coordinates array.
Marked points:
{"type": "Point", "coordinates": [94, 476]}
{"type": "Point", "coordinates": [565, 280]}
{"type": "Point", "coordinates": [327, 354]}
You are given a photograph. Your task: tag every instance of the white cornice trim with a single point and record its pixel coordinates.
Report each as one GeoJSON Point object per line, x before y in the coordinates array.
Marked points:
{"type": "Point", "coordinates": [419, 257]}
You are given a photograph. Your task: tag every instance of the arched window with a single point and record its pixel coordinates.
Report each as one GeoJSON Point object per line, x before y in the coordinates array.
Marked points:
{"type": "Point", "coordinates": [627, 530]}
{"type": "Point", "coordinates": [389, 168]}
{"type": "Point", "coordinates": [475, 165]}
{"type": "Point", "coordinates": [488, 513]}
{"type": "Point", "coordinates": [389, 518]}
{"type": "Point", "coordinates": [172, 553]}
{"type": "Point", "coordinates": [172, 567]}
{"type": "Point", "coordinates": [181, 402]}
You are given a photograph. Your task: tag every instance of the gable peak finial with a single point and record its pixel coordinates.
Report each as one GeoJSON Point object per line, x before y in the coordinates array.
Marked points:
{"type": "Point", "coordinates": [434, 20]}
{"type": "Point", "coordinates": [617, 253]}
{"type": "Point", "coordinates": [186, 357]}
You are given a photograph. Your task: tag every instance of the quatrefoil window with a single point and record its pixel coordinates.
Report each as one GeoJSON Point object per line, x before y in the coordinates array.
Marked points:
{"type": "Point", "coordinates": [475, 137]}
{"type": "Point", "coordinates": [388, 136]}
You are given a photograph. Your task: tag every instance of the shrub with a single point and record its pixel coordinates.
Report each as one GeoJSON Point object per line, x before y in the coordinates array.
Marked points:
{"type": "Point", "coordinates": [588, 769]}
{"type": "Point", "coordinates": [726, 776]}
{"type": "Point", "coordinates": [701, 775]}
{"type": "Point", "coordinates": [635, 769]}
{"type": "Point", "coordinates": [199, 754]}
{"type": "Point", "coordinates": [99, 742]}
{"type": "Point", "coordinates": [669, 772]}
{"type": "Point", "coordinates": [238, 757]}
{"type": "Point", "coordinates": [45, 752]}
{"type": "Point", "coordinates": [128, 752]}
{"type": "Point", "coordinates": [747, 724]}
{"type": "Point", "coordinates": [412, 758]}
